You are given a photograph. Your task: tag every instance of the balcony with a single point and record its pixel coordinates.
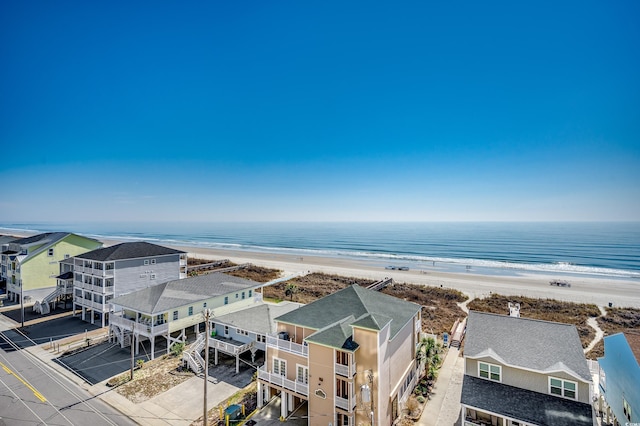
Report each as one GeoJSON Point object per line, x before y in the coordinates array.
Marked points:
{"type": "Point", "coordinates": [347, 404]}
{"type": "Point", "coordinates": [346, 370]}
{"type": "Point", "coordinates": [146, 328]}
{"type": "Point", "coordinates": [229, 346]}
{"type": "Point", "coordinates": [288, 346]}
{"type": "Point", "coordinates": [283, 382]}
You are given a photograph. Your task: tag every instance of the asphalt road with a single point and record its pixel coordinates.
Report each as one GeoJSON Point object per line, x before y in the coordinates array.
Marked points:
{"type": "Point", "coordinates": [32, 393]}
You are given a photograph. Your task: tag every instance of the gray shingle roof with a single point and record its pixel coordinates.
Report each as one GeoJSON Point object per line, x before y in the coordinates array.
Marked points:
{"type": "Point", "coordinates": [130, 250]}
{"type": "Point", "coordinates": [45, 237]}
{"type": "Point", "coordinates": [522, 404]}
{"type": "Point", "coordinates": [543, 346]}
{"type": "Point", "coordinates": [259, 319]}
{"type": "Point", "coordinates": [177, 293]}
{"type": "Point", "coordinates": [366, 308]}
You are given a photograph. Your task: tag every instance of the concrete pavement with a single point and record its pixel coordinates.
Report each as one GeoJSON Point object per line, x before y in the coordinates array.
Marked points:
{"type": "Point", "coordinates": [443, 406]}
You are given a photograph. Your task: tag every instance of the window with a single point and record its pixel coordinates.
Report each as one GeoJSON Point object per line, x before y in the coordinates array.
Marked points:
{"type": "Point", "coordinates": [226, 300]}
{"type": "Point", "coordinates": [51, 252]}
{"type": "Point", "coordinates": [236, 295]}
{"type": "Point", "coordinates": [279, 367]}
{"type": "Point", "coordinates": [204, 305]}
{"type": "Point", "coordinates": [66, 256]}
{"type": "Point", "coordinates": [489, 371]}
{"type": "Point", "coordinates": [226, 330]}
{"type": "Point", "coordinates": [562, 387]}
{"type": "Point", "coordinates": [146, 262]}
{"type": "Point", "coordinates": [250, 292]}
{"type": "Point", "coordinates": [175, 315]}
{"type": "Point", "coordinates": [153, 261]}
{"type": "Point", "coordinates": [243, 294]}
{"type": "Point", "coordinates": [190, 310]}
{"type": "Point", "coordinates": [152, 276]}
{"type": "Point", "coordinates": [302, 374]}
{"type": "Point", "coordinates": [626, 409]}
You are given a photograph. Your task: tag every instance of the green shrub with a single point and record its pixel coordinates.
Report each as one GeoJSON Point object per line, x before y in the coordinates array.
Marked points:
{"type": "Point", "coordinates": [177, 348]}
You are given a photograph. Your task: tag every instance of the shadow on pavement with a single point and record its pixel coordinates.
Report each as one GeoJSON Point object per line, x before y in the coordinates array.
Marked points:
{"type": "Point", "coordinates": [100, 362]}
{"type": "Point", "coordinates": [43, 332]}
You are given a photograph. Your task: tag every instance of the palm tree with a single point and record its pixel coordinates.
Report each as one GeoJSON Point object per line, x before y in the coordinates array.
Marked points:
{"type": "Point", "coordinates": [429, 354]}
{"type": "Point", "coordinates": [290, 290]}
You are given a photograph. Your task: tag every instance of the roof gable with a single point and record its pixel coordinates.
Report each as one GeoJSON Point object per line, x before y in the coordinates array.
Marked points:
{"type": "Point", "coordinates": [368, 308]}
{"type": "Point", "coordinates": [530, 344]}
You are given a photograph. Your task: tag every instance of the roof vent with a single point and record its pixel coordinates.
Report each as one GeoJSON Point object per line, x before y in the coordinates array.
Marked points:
{"type": "Point", "coordinates": [514, 310]}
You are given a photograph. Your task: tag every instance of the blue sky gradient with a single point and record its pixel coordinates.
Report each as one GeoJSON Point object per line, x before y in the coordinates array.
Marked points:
{"type": "Point", "coordinates": [292, 111]}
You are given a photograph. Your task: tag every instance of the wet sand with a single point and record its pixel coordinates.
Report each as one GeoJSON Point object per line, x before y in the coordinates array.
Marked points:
{"type": "Point", "coordinates": [598, 290]}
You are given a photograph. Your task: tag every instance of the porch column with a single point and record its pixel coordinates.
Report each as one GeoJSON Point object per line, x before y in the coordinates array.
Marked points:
{"type": "Point", "coordinates": [283, 405]}
{"type": "Point", "coordinates": [215, 356]}
{"type": "Point", "coordinates": [260, 394]}
{"type": "Point", "coordinates": [73, 311]}
{"type": "Point", "coordinates": [196, 328]}
{"type": "Point", "coordinates": [103, 314]}
{"type": "Point", "coordinates": [168, 341]}
{"type": "Point", "coordinates": [237, 363]}
{"type": "Point", "coordinates": [290, 404]}
{"type": "Point", "coordinates": [153, 347]}
{"type": "Point", "coordinates": [83, 313]}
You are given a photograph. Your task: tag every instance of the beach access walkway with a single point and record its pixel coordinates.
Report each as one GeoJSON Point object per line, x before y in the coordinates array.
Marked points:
{"type": "Point", "coordinates": [443, 407]}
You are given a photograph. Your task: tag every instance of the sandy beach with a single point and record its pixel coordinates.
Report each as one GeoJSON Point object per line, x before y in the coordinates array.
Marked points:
{"type": "Point", "coordinates": [601, 291]}
{"type": "Point", "coordinates": [584, 289]}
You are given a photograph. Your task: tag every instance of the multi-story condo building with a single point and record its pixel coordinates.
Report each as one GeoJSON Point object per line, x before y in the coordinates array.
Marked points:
{"type": "Point", "coordinates": [619, 376]}
{"type": "Point", "coordinates": [521, 371]}
{"type": "Point", "coordinates": [168, 309]}
{"type": "Point", "coordinates": [350, 355]}
{"type": "Point", "coordinates": [102, 274]}
{"type": "Point", "coordinates": [30, 265]}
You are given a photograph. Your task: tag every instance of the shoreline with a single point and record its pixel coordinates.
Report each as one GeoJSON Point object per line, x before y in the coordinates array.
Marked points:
{"type": "Point", "coordinates": [602, 291]}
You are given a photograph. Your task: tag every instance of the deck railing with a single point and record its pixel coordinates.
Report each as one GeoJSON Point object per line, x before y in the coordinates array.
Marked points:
{"type": "Point", "coordinates": [278, 380]}
{"type": "Point", "coordinates": [346, 370]}
{"type": "Point", "coordinates": [140, 327]}
{"type": "Point", "coordinates": [287, 345]}
{"type": "Point", "coordinates": [228, 347]}
{"type": "Point", "coordinates": [347, 404]}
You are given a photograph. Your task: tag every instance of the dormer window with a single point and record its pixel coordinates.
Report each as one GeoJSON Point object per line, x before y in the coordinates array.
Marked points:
{"type": "Point", "coordinates": [490, 371]}
{"type": "Point", "coordinates": [562, 387]}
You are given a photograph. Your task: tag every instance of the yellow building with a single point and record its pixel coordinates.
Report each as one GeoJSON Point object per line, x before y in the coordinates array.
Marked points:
{"type": "Point", "coordinates": [30, 265]}
{"type": "Point", "coordinates": [349, 357]}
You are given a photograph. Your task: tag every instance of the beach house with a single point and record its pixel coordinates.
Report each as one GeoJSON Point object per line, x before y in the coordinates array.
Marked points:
{"type": "Point", "coordinates": [619, 379]}
{"type": "Point", "coordinates": [30, 264]}
{"type": "Point", "coordinates": [167, 310]}
{"type": "Point", "coordinates": [520, 371]}
{"type": "Point", "coordinates": [105, 273]}
{"type": "Point", "coordinates": [350, 357]}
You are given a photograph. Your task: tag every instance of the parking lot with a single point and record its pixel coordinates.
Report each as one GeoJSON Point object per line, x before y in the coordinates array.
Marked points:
{"type": "Point", "coordinates": [103, 361]}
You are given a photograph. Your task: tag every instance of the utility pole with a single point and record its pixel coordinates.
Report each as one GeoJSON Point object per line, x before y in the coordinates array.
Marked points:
{"type": "Point", "coordinates": [22, 302]}
{"type": "Point", "coordinates": [133, 338]}
{"type": "Point", "coordinates": [207, 314]}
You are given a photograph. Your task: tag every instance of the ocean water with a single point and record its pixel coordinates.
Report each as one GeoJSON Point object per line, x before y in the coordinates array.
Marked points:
{"type": "Point", "coordinates": [595, 249]}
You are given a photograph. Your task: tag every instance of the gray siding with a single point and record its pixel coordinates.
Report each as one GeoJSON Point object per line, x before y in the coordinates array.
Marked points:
{"type": "Point", "coordinates": [132, 274]}
{"type": "Point", "coordinates": [530, 380]}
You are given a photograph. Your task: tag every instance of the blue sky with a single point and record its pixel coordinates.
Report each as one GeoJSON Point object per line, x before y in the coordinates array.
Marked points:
{"type": "Point", "coordinates": [331, 111]}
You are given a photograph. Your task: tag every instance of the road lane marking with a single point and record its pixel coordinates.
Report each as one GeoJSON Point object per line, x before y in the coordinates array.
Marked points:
{"type": "Point", "coordinates": [35, 392]}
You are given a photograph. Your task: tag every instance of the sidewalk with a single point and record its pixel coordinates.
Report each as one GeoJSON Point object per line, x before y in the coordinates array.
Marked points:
{"type": "Point", "coordinates": [443, 407]}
